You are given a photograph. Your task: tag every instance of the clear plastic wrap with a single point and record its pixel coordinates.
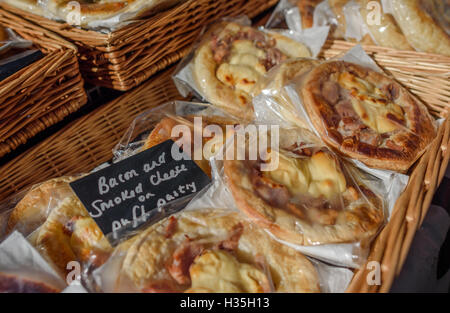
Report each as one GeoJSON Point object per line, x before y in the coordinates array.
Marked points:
{"type": "Point", "coordinates": [425, 24]}
{"type": "Point", "coordinates": [105, 16]}
{"type": "Point", "coordinates": [305, 196]}
{"type": "Point", "coordinates": [230, 57]}
{"type": "Point", "coordinates": [206, 125]}
{"type": "Point", "coordinates": [12, 46]}
{"type": "Point", "coordinates": [382, 26]}
{"type": "Point", "coordinates": [363, 21]}
{"type": "Point", "coordinates": [9, 39]}
{"type": "Point", "coordinates": [212, 247]}
{"type": "Point", "coordinates": [23, 270]}
{"type": "Point", "coordinates": [56, 223]}
{"type": "Point", "coordinates": [300, 15]}
{"type": "Point", "coordinates": [357, 110]}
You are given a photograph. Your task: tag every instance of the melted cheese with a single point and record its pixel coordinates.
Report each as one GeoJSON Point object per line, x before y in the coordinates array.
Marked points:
{"type": "Point", "coordinates": [238, 76]}
{"type": "Point", "coordinates": [244, 68]}
{"type": "Point", "coordinates": [244, 46]}
{"type": "Point", "coordinates": [371, 105]}
{"type": "Point", "coordinates": [219, 271]}
{"type": "Point", "coordinates": [318, 175]}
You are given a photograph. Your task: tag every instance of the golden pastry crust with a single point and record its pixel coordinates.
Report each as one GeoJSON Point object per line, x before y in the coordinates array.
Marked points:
{"type": "Point", "coordinates": [32, 211]}
{"type": "Point", "coordinates": [337, 6]}
{"type": "Point", "coordinates": [339, 31]}
{"type": "Point", "coordinates": [366, 115]}
{"type": "Point", "coordinates": [306, 9]}
{"type": "Point", "coordinates": [62, 229]}
{"type": "Point", "coordinates": [163, 132]}
{"type": "Point", "coordinates": [92, 11]}
{"type": "Point", "coordinates": [416, 20]}
{"type": "Point", "coordinates": [308, 199]}
{"type": "Point", "coordinates": [232, 58]}
{"type": "Point", "coordinates": [15, 284]}
{"type": "Point", "coordinates": [387, 33]}
{"type": "Point", "coordinates": [30, 6]}
{"type": "Point", "coordinates": [148, 255]}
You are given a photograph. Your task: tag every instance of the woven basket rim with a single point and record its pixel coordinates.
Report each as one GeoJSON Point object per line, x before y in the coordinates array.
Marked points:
{"type": "Point", "coordinates": [58, 40]}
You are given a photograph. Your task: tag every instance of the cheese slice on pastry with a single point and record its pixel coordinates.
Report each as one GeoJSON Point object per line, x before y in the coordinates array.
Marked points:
{"type": "Point", "coordinates": [59, 226]}
{"type": "Point", "coordinates": [211, 251]}
{"type": "Point", "coordinates": [366, 115]}
{"type": "Point", "coordinates": [231, 59]}
{"type": "Point", "coordinates": [308, 197]}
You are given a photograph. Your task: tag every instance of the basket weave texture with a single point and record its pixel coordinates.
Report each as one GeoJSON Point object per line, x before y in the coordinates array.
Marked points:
{"type": "Point", "coordinates": [428, 77]}
{"type": "Point", "coordinates": [88, 141]}
{"type": "Point", "coordinates": [42, 93]}
{"type": "Point", "coordinates": [124, 58]}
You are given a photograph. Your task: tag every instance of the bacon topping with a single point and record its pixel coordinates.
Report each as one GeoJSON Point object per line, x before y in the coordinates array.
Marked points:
{"type": "Point", "coordinates": [182, 259]}
{"type": "Point", "coordinates": [171, 227]}
{"type": "Point", "coordinates": [270, 191]}
{"type": "Point", "coordinates": [232, 242]}
{"type": "Point", "coordinates": [392, 145]}
{"type": "Point", "coordinates": [391, 91]}
{"type": "Point", "coordinates": [221, 47]}
{"type": "Point", "coordinates": [185, 254]}
{"type": "Point", "coordinates": [330, 92]}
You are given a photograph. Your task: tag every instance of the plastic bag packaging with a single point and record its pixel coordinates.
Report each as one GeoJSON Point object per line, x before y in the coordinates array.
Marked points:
{"type": "Point", "coordinates": [305, 196]}
{"type": "Point", "coordinates": [22, 268]}
{"type": "Point", "coordinates": [362, 21]}
{"type": "Point", "coordinates": [299, 15]}
{"type": "Point", "coordinates": [355, 103]}
{"type": "Point", "coordinates": [230, 57]}
{"type": "Point", "coordinates": [169, 121]}
{"type": "Point", "coordinates": [104, 17]}
{"type": "Point", "coordinates": [9, 39]}
{"type": "Point", "coordinates": [55, 222]}
{"type": "Point", "coordinates": [425, 24]}
{"type": "Point", "coordinates": [209, 247]}
{"type": "Point", "coordinates": [15, 53]}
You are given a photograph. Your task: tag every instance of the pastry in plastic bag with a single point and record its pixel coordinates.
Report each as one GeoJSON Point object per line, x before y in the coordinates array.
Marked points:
{"type": "Point", "coordinates": [93, 11]}
{"type": "Point", "coordinates": [232, 57]}
{"type": "Point", "coordinates": [420, 22]}
{"type": "Point", "coordinates": [31, 6]}
{"type": "Point", "coordinates": [386, 33]}
{"type": "Point", "coordinates": [164, 131]}
{"type": "Point", "coordinates": [10, 283]}
{"type": "Point", "coordinates": [209, 251]}
{"type": "Point", "coordinates": [306, 9]}
{"type": "Point", "coordinates": [309, 197]}
{"type": "Point", "coordinates": [272, 84]}
{"type": "Point", "coordinates": [366, 115]}
{"type": "Point", "coordinates": [58, 225]}
{"type": "Point", "coordinates": [337, 6]}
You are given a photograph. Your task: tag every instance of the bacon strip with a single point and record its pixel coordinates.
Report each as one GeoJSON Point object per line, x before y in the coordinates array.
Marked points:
{"type": "Point", "coordinates": [182, 259]}
{"type": "Point", "coordinates": [171, 227]}
{"type": "Point", "coordinates": [232, 242]}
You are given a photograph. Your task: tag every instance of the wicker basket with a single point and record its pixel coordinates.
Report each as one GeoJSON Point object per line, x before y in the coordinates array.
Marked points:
{"type": "Point", "coordinates": [428, 77]}
{"type": "Point", "coordinates": [42, 93]}
{"type": "Point", "coordinates": [128, 56]}
{"type": "Point", "coordinates": [88, 142]}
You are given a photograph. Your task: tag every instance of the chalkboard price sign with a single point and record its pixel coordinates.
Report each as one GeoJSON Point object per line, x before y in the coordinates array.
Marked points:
{"type": "Point", "coordinates": [126, 193]}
